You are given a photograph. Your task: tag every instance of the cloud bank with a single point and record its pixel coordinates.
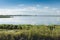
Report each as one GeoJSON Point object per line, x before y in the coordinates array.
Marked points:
{"type": "Point", "coordinates": [30, 10]}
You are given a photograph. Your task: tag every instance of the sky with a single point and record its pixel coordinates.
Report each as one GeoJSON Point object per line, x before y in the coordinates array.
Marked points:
{"type": "Point", "coordinates": [29, 7]}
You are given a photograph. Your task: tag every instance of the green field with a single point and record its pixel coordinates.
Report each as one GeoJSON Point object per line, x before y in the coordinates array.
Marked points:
{"type": "Point", "coordinates": [29, 32]}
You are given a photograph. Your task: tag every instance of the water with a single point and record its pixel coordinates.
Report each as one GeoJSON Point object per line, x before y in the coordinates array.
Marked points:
{"type": "Point", "coordinates": [30, 20]}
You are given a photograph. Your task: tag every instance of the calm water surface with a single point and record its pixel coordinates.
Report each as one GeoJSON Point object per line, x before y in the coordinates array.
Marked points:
{"type": "Point", "coordinates": [30, 20]}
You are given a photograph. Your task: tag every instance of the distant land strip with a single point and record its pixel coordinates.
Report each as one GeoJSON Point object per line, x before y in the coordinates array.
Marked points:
{"type": "Point", "coordinates": [9, 16]}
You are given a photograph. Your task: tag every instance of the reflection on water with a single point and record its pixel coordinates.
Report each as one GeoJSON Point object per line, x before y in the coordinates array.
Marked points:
{"type": "Point", "coordinates": [30, 20]}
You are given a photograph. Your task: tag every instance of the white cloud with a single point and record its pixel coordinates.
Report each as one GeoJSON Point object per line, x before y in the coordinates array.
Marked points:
{"type": "Point", "coordinates": [21, 5]}
{"type": "Point", "coordinates": [46, 7]}
{"type": "Point", "coordinates": [33, 10]}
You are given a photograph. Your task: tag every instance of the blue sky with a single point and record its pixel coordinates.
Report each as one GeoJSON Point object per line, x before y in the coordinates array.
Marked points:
{"type": "Point", "coordinates": [7, 3]}
{"type": "Point", "coordinates": [29, 6]}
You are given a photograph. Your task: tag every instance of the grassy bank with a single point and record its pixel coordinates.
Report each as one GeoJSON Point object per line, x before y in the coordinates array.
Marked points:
{"type": "Point", "coordinates": [29, 32]}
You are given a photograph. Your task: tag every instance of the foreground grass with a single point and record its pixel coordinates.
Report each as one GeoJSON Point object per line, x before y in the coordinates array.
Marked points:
{"type": "Point", "coordinates": [29, 32]}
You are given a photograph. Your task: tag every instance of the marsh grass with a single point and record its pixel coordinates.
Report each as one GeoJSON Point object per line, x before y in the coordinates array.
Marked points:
{"type": "Point", "coordinates": [29, 32]}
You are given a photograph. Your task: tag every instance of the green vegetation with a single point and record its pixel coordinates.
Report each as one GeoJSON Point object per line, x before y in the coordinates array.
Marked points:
{"type": "Point", "coordinates": [29, 32]}
{"type": "Point", "coordinates": [4, 16]}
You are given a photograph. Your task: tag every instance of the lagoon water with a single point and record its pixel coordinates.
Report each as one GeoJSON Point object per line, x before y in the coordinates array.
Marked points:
{"type": "Point", "coordinates": [30, 20]}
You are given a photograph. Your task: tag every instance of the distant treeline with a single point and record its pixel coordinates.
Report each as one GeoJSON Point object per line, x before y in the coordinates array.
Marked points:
{"type": "Point", "coordinates": [3, 16]}
{"type": "Point", "coordinates": [9, 16]}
